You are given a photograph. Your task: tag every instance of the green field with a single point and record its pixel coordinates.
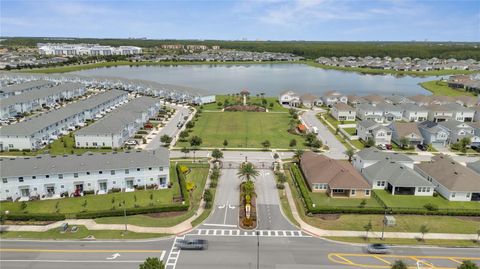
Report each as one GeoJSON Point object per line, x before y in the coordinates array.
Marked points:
{"type": "Point", "coordinates": [438, 87]}
{"type": "Point", "coordinates": [323, 200]}
{"type": "Point", "coordinates": [411, 201]}
{"type": "Point", "coordinates": [80, 234]}
{"type": "Point", "coordinates": [253, 99]}
{"type": "Point", "coordinates": [243, 130]}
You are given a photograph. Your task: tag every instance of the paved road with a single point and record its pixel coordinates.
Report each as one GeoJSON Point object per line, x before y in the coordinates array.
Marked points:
{"type": "Point", "coordinates": [170, 128]}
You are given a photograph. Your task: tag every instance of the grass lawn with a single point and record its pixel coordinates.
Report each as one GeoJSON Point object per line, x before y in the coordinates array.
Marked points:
{"type": "Point", "coordinates": [334, 121]}
{"type": "Point", "coordinates": [243, 130]}
{"type": "Point", "coordinates": [438, 87]}
{"type": "Point", "coordinates": [253, 99]}
{"type": "Point", "coordinates": [351, 131]}
{"type": "Point", "coordinates": [358, 144]}
{"type": "Point", "coordinates": [411, 201]}
{"type": "Point", "coordinates": [198, 176]}
{"type": "Point", "coordinates": [404, 241]}
{"type": "Point", "coordinates": [322, 199]}
{"type": "Point", "coordinates": [80, 234]}
{"type": "Point", "coordinates": [286, 208]}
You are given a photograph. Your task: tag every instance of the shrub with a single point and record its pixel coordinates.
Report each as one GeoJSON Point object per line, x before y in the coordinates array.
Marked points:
{"type": "Point", "coordinates": [88, 192]}
{"type": "Point", "coordinates": [208, 196]}
{"type": "Point", "coordinates": [113, 190]}
{"type": "Point", "coordinates": [431, 207]}
{"type": "Point", "coordinates": [280, 186]}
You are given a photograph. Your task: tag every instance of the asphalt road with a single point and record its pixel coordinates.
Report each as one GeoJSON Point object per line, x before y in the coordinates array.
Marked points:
{"type": "Point", "coordinates": [170, 128]}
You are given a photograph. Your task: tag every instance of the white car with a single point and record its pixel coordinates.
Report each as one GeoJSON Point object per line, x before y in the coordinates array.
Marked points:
{"type": "Point", "coordinates": [131, 143]}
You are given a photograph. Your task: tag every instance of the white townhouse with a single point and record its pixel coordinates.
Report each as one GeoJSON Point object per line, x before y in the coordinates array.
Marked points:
{"type": "Point", "coordinates": [368, 129]}
{"type": "Point", "coordinates": [439, 113]}
{"type": "Point", "coordinates": [343, 112]}
{"type": "Point", "coordinates": [369, 156]}
{"type": "Point", "coordinates": [33, 100]}
{"type": "Point", "coordinates": [369, 112]}
{"type": "Point", "coordinates": [23, 87]}
{"type": "Point", "coordinates": [49, 176]}
{"type": "Point", "coordinates": [332, 97]}
{"type": "Point", "coordinates": [461, 113]}
{"type": "Point", "coordinates": [33, 133]}
{"type": "Point", "coordinates": [412, 112]}
{"type": "Point", "coordinates": [116, 128]}
{"type": "Point", "coordinates": [289, 98]}
{"type": "Point", "coordinates": [452, 180]}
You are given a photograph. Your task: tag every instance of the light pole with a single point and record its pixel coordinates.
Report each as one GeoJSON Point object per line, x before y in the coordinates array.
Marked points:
{"type": "Point", "coordinates": [258, 249]}
{"type": "Point", "coordinates": [125, 213]}
{"type": "Point", "coordinates": [383, 226]}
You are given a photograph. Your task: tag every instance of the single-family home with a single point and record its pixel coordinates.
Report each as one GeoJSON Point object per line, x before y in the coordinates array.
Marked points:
{"type": "Point", "coordinates": [477, 113]}
{"type": "Point", "coordinates": [391, 112]}
{"type": "Point", "coordinates": [354, 100]}
{"type": "Point", "coordinates": [458, 130]}
{"type": "Point", "coordinates": [421, 100]}
{"type": "Point", "coordinates": [439, 113]}
{"type": "Point", "coordinates": [452, 180]}
{"type": "Point", "coordinates": [412, 112]}
{"type": "Point", "coordinates": [369, 112]}
{"type": "Point", "coordinates": [397, 179]}
{"type": "Point", "coordinates": [374, 99]}
{"type": "Point", "coordinates": [332, 97]}
{"type": "Point", "coordinates": [441, 100]}
{"type": "Point", "coordinates": [334, 177]}
{"type": "Point", "coordinates": [409, 130]}
{"type": "Point", "coordinates": [468, 101]}
{"type": "Point", "coordinates": [289, 98]}
{"type": "Point", "coordinates": [369, 156]}
{"type": "Point", "coordinates": [461, 113]}
{"type": "Point", "coordinates": [475, 166]}
{"type": "Point", "coordinates": [396, 99]}
{"type": "Point", "coordinates": [343, 112]}
{"type": "Point", "coordinates": [368, 129]}
{"type": "Point", "coordinates": [434, 134]}
{"type": "Point", "coordinates": [309, 100]}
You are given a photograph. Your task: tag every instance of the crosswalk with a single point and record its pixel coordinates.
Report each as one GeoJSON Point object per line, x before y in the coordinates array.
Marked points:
{"type": "Point", "coordinates": [238, 232]}
{"type": "Point", "coordinates": [174, 254]}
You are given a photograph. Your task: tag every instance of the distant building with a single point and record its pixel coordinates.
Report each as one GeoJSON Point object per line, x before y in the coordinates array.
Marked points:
{"type": "Point", "coordinates": [61, 49]}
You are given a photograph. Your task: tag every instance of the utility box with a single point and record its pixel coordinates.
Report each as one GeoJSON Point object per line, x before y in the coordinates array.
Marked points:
{"type": "Point", "coordinates": [389, 220]}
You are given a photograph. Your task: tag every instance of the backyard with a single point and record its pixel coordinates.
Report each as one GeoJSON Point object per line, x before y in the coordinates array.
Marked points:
{"type": "Point", "coordinates": [243, 130]}
{"type": "Point", "coordinates": [438, 87]}
{"type": "Point", "coordinates": [411, 201]}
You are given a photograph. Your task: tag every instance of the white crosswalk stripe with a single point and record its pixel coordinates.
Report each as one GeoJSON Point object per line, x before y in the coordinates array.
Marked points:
{"type": "Point", "coordinates": [238, 232]}
{"type": "Point", "coordinates": [174, 254]}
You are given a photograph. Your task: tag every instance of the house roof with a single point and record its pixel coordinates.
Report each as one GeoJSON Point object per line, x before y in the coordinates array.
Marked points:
{"type": "Point", "coordinates": [451, 174]}
{"type": "Point", "coordinates": [368, 107]}
{"type": "Point", "coordinates": [457, 107]}
{"type": "Point", "coordinates": [404, 129]}
{"type": "Point", "coordinates": [475, 166]}
{"type": "Point", "coordinates": [25, 85]}
{"type": "Point", "coordinates": [374, 154]}
{"type": "Point", "coordinates": [373, 98]}
{"type": "Point", "coordinates": [367, 124]}
{"type": "Point", "coordinates": [436, 107]}
{"type": "Point", "coordinates": [308, 97]}
{"type": "Point", "coordinates": [51, 164]}
{"type": "Point", "coordinates": [343, 107]}
{"type": "Point", "coordinates": [430, 126]}
{"type": "Point", "coordinates": [395, 173]}
{"type": "Point", "coordinates": [412, 107]}
{"type": "Point", "coordinates": [288, 92]}
{"type": "Point", "coordinates": [420, 99]}
{"type": "Point", "coordinates": [332, 93]}
{"type": "Point", "coordinates": [453, 124]}
{"type": "Point", "coordinates": [337, 174]}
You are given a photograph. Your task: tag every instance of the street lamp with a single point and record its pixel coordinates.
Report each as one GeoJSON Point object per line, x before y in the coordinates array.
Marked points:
{"type": "Point", "coordinates": [258, 249]}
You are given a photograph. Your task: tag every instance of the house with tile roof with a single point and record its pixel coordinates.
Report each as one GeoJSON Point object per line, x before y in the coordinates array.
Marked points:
{"type": "Point", "coordinates": [408, 130]}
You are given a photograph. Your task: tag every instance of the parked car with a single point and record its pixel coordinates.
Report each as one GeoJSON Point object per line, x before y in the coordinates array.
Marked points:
{"type": "Point", "coordinates": [422, 147]}
{"type": "Point", "coordinates": [382, 147]}
{"type": "Point", "coordinates": [378, 249]}
{"type": "Point", "coordinates": [193, 244]}
{"type": "Point", "coordinates": [131, 143]}
{"type": "Point", "coordinates": [389, 146]}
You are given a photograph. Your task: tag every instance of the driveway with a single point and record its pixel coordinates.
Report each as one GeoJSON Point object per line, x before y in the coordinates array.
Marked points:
{"type": "Point", "coordinates": [170, 128]}
{"type": "Point", "coordinates": [337, 149]}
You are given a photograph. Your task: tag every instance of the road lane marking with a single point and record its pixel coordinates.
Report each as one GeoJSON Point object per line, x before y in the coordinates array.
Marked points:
{"type": "Point", "coordinates": [454, 260]}
{"type": "Point", "coordinates": [220, 225]}
{"type": "Point", "coordinates": [72, 261]}
{"type": "Point", "coordinates": [385, 261]}
{"type": "Point", "coordinates": [78, 250]}
{"type": "Point", "coordinates": [225, 217]}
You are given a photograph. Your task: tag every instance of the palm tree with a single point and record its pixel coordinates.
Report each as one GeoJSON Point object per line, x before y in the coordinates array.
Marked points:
{"type": "Point", "coordinates": [297, 155]}
{"type": "Point", "coordinates": [247, 171]}
{"type": "Point", "coordinates": [423, 230]}
{"type": "Point", "coordinates": [350, 152]}
{"type": "Point", "coordinates": [368, 228]}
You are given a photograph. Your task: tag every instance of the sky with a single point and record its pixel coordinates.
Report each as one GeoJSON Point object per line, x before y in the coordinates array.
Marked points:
{"type": "Point", "coordinates": [322, 20]}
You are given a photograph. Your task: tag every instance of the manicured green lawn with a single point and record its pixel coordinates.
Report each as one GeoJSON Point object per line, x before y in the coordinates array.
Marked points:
{"type": "Point", "coordinates": [411, 201]}
{"type": "Point", "coordinates": [358, 144]}
{"type": "Point", "coordinates": [198, 176]}
{"type": "Point", "coordinates": [438, 87]}
{"type": "Point", "coordinates": [334, 121]}
{"type": "Point", "coordinates": [404, 241]}
{"type": "Point", "coordinates": [80, 234]}
{"type": "Point", "coordinates": [243, 130]}
{"type": "Point", "coordinates": [322, 199]}
{"type": "Point", "coordinates": [351, 131]}
{"type": "Point", "coordinates": [253, 99]}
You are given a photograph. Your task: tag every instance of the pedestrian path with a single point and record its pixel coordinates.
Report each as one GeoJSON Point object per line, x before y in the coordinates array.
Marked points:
{"type": "Point", "coordinates": [238, 232]}
{"type": "Point", "coordinates": [174, 254]}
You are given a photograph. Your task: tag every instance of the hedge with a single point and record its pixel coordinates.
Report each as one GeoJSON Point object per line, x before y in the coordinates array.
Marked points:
{"type": "Point", "coordinates": [130, 211]}
{"type": "Point", "coordinates": [34, 217]}
{"type": "Point", "coordinates": [183, 185]}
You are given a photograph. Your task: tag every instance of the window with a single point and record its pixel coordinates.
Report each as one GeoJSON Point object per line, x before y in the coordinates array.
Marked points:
{"type": "Point", "coordinates": [367, 192]}
{"type": "Point", "coordinates": [75, 175]}
{"type": "Point", "coordinates": [35, 189]}
{"type": "Point", "coordinates": [88, 173]}
{"type": "Point", "coordinates": [112, 172]}
{"type": "Point", "coordinates": [150, 168]}
{"type": "Point", "coordinates": [468, 195]}
{"type": "Point", "coordinates": [20, 179]}
{"type": "Point", "coordinates": [127, 171]}
{"type": "Point", "coordinates": [100, 172]}
{"type": "Point", "coordinates": [62, 186]}
{"type": "Point", "coordinates": [34, 177]}
{"type": "Point", "coordinates": [114, 182]}
{"type": "Point", "coordinates": [4, 180]}
{"type": "Point", "coordinates": [60, 176]}
{"type": "Point", "coordinates": [352, 192]}
{"type": "Point", "coordinates": [138, 169]}
{"type": "Point", "coordinates": [161, 168]}
{"type": "Point", "coordinates": [88, 184]}
{"type": "Point", "coordinates": [47, 176]}
{"type": "Point", "coordinates": [453, 195]}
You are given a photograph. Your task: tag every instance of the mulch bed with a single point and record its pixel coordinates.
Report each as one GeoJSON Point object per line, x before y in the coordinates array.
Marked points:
{"type": "Point", "coordinates": [245, 108]}
{"type": "Point", "coordinates": [327, 216]}
{"type": "Point", "coordinates": [166, 214]}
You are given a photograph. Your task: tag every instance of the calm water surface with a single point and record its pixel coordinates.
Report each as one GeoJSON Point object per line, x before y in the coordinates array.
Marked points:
{"type": "Point", "coordinates": [268, 78]}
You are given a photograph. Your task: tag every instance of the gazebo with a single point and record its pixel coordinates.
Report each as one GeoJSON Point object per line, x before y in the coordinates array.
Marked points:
{"type": "Point", "coordinates": [244, 93]}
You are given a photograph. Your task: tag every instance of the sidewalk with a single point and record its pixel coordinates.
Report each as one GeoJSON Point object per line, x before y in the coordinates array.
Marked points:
{"type": "Point", "coordinates": [374, 234]}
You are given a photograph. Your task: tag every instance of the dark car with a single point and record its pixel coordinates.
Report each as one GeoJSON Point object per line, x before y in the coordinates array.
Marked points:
{"type": "Point", "coordinates": [193, 244]}
{"type": "Point", "coordinates": [378, 249]}
{"type": "Point", "coordinates": [389, 146]}
{"type": "Point", "coordinates": [422, 147]}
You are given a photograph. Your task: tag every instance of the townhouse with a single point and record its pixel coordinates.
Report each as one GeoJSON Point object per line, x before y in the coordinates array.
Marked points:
{"type": "Point", "coordinates": [33, 100]}
{"type": "Point", "coordinates": [309, 100]}
{"type": "Point", "coordinates": [37, 131]}
{"type": "Point", "coordinates": [343, 112]}
{"type": "Point", "coordinates": [49, 176]}
{"type": "Point", "coordinates": [336, 178]}
{"type": "Point", "coordinates": [368, 129]}
{"type": "Point", "coordinates": [374, 99]}
{"type": "Point", "coordinates": [354, 100]}
{"type": "Point", "coordinates": [452, 180]}
{"type": "Point", "coordinates": [460, 112]}
{"type": "Point", "coordinates": [116, 128]}
{"type": "Point", "coordinates": [23, 87]}
{"type": "Point", "coordinates": [391, 112]}
{"type": "Point", "coordinates": [439, 113]}
{"type": "Point", "coordinates": [408, 130]}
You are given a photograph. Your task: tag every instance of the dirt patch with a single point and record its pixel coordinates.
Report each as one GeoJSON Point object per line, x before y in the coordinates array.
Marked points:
{"type": "Point", "coordinates": [166, 214]}
{"type": "Point", "coordinates": [327, 216]}
{"type": "Point", "coordinates": [245, 108]}
{"type": "Point", "coordinates": [469, 218]}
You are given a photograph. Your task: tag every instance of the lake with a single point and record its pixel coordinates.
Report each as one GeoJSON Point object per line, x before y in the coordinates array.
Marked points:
{"type": "Point", "coordinates": [268, 78]}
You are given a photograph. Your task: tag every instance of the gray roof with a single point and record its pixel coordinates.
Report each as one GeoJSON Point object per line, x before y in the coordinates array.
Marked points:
{"type": "Point", "coordinates": [395, 173]}
{"type": "Point", "coordinates": [368, 107]}
{"type": "Point", "coordinates": [452, 124]}
{"type": "Point", "coordinates": [378, 155]}
{"type": "Point", "coordinates": [413, 107]}
{"type": "Point", "coordinates": [43, 93]}
{"type": "Point", "coordinates": [430, 126]}
{"type": "Point", "coordinates": [390, 107]}
{"type": "Point", "coordinates": [115, 122]}
{"type": "Point", "coordinates": [50, 164]}
{"type": "Point", "coordinates": [25, 85]}
{"type": "Point", "coordinates": [35, 124]}
{"type": "Point", "coordinates": [475, 166]}
{"type": "Point", "coordinates": [367, 124]}
{"type": "Point", "coordinates": [458, 108]}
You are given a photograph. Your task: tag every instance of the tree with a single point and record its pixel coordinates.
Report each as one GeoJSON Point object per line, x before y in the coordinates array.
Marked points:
{"type": "Point", "coordinates": [247, 171]}
{"type": "Point", "coordinates": [225, 143]}
{"type": "Point", "coordinates": [403, 142]}
{"type": "Point", "coordinates": [217, 154]}
{"type": "Point", "coordinates": [166, 139]}
{"type": "Point", "coordinates": [316, 144]}
{"type": "Point", "coordinates": [266, 144]}
{"type": "Point", "coordinates": [190, 125]}
{"type": "Point", "coordinates": [467, 265]}
{"type": "Point", "coordinates": [399, 265]}
{"type": "Point", "coordinates": [423, 230]}
{"type": "Point", "coordinates": [350, 152]}
{"type": "Point", "coordinates": [368, 228]}
{"type": "Point", "coordinates": [152, 263]}
{"type": "Point", "coordinates": [464, 143]}
{"type": "Point", "coordinates": [276, 156]}
{"type": "Point", "coordinates": [310, 138]}
{"type": "Point", "coordinates": [297, 155]}
{"type": "Point", "coordinates": [185, 150]}
{"type": "Point", "coordinates": [370, 142]}
{"type": "Point", "coordinates": [195, 142]}
{"type": "Point", "coordinates": [183, 135]}
{"type": "Point", "coordinates": [249, 188]}
{"type": "Point", "coordinates": [293, 143]}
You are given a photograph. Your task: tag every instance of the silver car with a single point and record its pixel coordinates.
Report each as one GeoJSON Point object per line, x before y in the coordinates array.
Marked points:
{"type": "Point", "coordinates": [193, 244]}
{"type": "Point", "coordinates": [378, 249]}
